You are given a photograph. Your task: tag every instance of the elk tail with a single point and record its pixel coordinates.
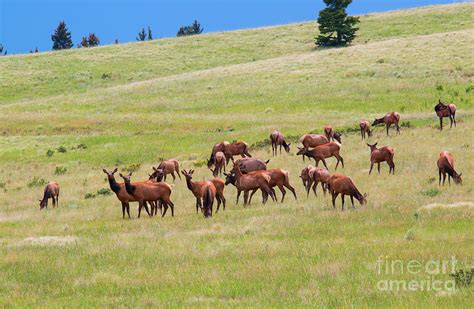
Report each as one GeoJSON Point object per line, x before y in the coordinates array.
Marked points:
{"type": "Point", "coordinates": [208, 200]}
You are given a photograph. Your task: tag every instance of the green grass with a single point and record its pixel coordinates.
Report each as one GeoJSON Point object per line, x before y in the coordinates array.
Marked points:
{"type": "Point", "coordinates": [236, 86]}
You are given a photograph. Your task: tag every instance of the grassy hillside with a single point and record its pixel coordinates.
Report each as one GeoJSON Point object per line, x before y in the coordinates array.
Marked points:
{"type": "Point", "coordinates": [176, 98]}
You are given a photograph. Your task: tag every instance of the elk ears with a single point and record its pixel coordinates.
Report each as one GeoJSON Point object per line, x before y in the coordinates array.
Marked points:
{"type": "Point", "coordinates": [289, 144]}
{"type": "Point", "coordinates": [365, 195]}
{"type": "Point", "coordinates": [376, 144]}
{"type": "Point", "coordinates": [121, 175]}
{"type": "Point", "coordinates": [368, 144]}
{"type": "Point", "coordinates": [225, 174]}
{"type": "Point", "coordinates": [115, 171]}
{"type": "Point", "coordinates": [191, 172]}
{"type": "Point", "coordinates": [154, 168]}
{"type": "Point", "coordinates": [266, 162]}
{"type": "Point", "coordinates": [130, 174]}
{"type": "Point", "coordinates": [105, 171]}
{"type": "Point", "coordinates": [460, 175]}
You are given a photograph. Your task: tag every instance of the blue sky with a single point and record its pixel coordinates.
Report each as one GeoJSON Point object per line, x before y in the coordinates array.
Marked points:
{"type": "Point", "coordinates": [26, 24]}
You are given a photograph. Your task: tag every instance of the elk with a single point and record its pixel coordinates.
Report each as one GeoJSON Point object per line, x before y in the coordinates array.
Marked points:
{"type": "Point", "coordinates": [331, 135]}
{"type": "Point", "coordinates": [389, 119]}
{"type": "Point", "coordinates": [51, 191]}
{"type": "Point", "coordinates": [304, 175]}
{"type": "Point", "coordinates": [278, 178]}
{"type": "Point", "coordinates": [378, 155]}
{"type": "Point", "coordinates": [277, 139]}
{"type": "Point", "coordinates": [149, 192]}
{"type": "Point", "coordinates": [445, 110]}
{"type": "Point", "coordinates": [313, 140]}
{"type": "Point", "coordinates": [340, 184]}
{"type": "Point", "coordinates": [170, 167]}
{"type": "Point", "coordinates": [202, 190]}
{"type": "Point", "coordinates": [121, 193]}
{"type": "Point", "coordinates": [365, 129]}
{"type": "Point", "coordinates": [317, 175]}
{"type": "Point", "coordinates": [230, 150]}
{"type": "Point", "coordinates": [157, 175]}
{"type": "Point", "coordinates": [249, 182]}
{"type": "Point", "coordinates": [219, 163]}
{"type": "Point", "coordinates": [446, 166]}
{"type": "Point", "coordinates": [248, 165]}
{"type": "Point", "coordinates": [320, 153]}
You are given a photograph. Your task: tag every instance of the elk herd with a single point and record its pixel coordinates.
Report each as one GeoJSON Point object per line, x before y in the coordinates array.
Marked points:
{"type": "Point", "coordinates": [249, 174]}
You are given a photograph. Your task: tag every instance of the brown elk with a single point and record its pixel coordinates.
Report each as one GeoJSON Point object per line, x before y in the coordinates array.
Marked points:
{"type": "Point", "coordinates": [248, 165]}
{"type": "Point", "coordinates": [51, 191]}
{"type": "Point", "coordinates": [340, 184]}
{"type": "Point", "coordinates": [148, 191]}
{"type": "Point", "coordinates": [304, 175]}
{"type": "Point", "coordinates": [230, 150]}
{"type": "Point", "coordinates": [278, 178]}
{"type": "Point", "coordinates": [249, 182]}
{"type": "Point", "coordinates": [317, 175]}
{"type": "Point", "coordinates": [121, 193]}
{"type": "Point", "coordinates": [331, 135]}
{"type": "Point", "coordinates": [313, 140]}
{"type": "Point", "coordinates": [170, 167]}
{"type": "Point", "coordinates": [204, 191]}
{"type": "Point", "coordinates": [446, 166]}
{"type": "Point", "coordinates": [157, 175]}
{"type": "Point", "coordinates": [378, 155]}
{"type": "Point", "coordinates": [219, 163]}
{"type": "Point", "coordinates": [445, 110]}
{"type": "Point", "coordinates": [389, 119]}
{"type": "Point", "coordinates": [277, 139]}
{"type": "Point", "coordinates": [323, 152]}
{"type": "Point", "coordinates": [365, 129]}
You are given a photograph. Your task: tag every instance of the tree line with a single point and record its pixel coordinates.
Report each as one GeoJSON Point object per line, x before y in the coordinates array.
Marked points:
{"type": "Point", "coordinates": [336, 28]}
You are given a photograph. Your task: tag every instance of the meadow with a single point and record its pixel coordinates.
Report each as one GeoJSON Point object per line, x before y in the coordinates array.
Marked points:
{"type": "Point", "coordinates": [66, 115]}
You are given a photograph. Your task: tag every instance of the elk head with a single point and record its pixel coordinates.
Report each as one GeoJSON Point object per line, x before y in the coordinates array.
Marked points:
{"type": "Point", "coordinates": [110, 175]}
{"type": "Point", "coordinates": [363, 199]}
{"type": "Point", "coordinates": [157, 174]}
{"type": "Point", "coordinates": [457, 178]}
{"type": "Point", "coordinates": [188, 174]}
{"type": "Point", "coordinates": [377, 121]}
{"type": "Point", "coordinates": [337, 136]}
{"type": "Point", "coordinates": [42, 204]}
{"type": "Point", "coordinates": [373, 146]}
{"type": "Point", "coordinates": [126, 178]}
{"type": "Point", "coordinates": [229, 178]}
{"type": "Point", "coordinates": [287, 147]}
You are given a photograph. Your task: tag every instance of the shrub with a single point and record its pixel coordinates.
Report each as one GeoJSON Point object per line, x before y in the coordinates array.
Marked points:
{"type": "Point", "coordinates": [89, 196]}
{"type": "Point", "coordinates": [132, 167]}
{"type": "Point", "coordinates": [463, 276]}
{"type": "Point", "coordinates": [62, 149]}
{"type": "Point", "coordinates": [430, 192]}
{"type": "Point", "coordinates": [104, 191]}
{"type": "Point", "coordinates": [60, 170]}
{"type": "Point", "coordinates": [50, 153]}
{"type": "Point", "coordinates": [36, 182]}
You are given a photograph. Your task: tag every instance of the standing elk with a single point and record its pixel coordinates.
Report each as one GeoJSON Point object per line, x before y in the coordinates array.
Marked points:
{"type": "Point", "coordinates": [277, 139]}
{"type": "Point", "coordinates": [219, 163]}
{"type": "Point", "coordinates": [313, 140]}
{"type": "Point", "coordinates": [317, 175]}
{"type": "Point", "coordinates": [147, 191]}
{"type": "Point", "coordinates": [446, 166]}
{"type": "Point", "coordinates": [365, 129]}
{"type": "Point", "coordinates": [340, 184]}
{"type": "Point", "coordinates": [278, 178]}
{"type": "Point", "coordinates": [51, 191]}
{"type": "Point", "coordinates": [378, 155]}
{"type": "Point", "coordinates": [445, 110]}
{"type": "Point", "coordinates": [320, 153]}
{"type": "Point", "coordinates": [249, 182]}
{"type": "Point", "coordinates": [121, 193]}
{"type": "Point", "coordinates": [331, 135]}
{"type": "Point", "coordinates": [204, 191]}
{"type": "Point", "coordinates": [389, 119]}
{"type": "Point", "coordinates": [170, 167]}
{"type": "Point", "coordinates": [230, 150]}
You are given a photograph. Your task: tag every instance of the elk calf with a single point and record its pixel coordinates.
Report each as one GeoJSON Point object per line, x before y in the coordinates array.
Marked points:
{"type": "Point", "coordinates": [445, 110]}
{"type": "Point", "coordinates": [219, 163]}
{"type": "Point", "coordinates": [277, 139]}
{"type": "Point", "coordinates": [51, 191]}
{"type": "Point", "coordinates": [446, 166]}
{"type": "Point", "coordinates": [205, 192]}
{"type": "Point", "coordinates": [317, 175]}
{"type": "Point", "coordinates": [340, 184]}
{"type": "Point", "coordinates": [380, 155]}
{"type": "Point", "coordinates": [331, 135]}
{"type": "Point", "coordinates": [170, 167]}
{"type": "Point", "coordinates": [365, 129]}
{"type": "Point", "coordinates": [320, 153]}
{"type": "Point", "coordinates": [389, 119]}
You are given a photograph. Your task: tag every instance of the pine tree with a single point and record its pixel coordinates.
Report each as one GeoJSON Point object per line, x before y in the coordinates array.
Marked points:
{"type": "Point", "coordinates": [61, 37]}
{"type": "Point", "coordinates": [197, 27]}
{"type": "Point", "coordinates": [335, 27]}
{"type": "Point", "coordinates": [3, 51]}
{"type": "Point", "coordinates": [141, 35]}
{"type": "Point", "coordinates": [93, 40]}
{"type": "Point", "coordinates": [150, 37]}
{"type": "Point", "coordinates": [194, 28]}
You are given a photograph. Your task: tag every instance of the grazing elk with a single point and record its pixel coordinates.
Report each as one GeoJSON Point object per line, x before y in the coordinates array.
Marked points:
{"type": "Point", "coordinates": [248, 165]}
{"type": "Point", "coordinates": [304, 175]}
{"type": "Point", "coordinates": [170, 167]}
{"type": "Point", "coordinates": [340, 184]}
{"type": "Point", "coordinates": [249, 182]}
{"type": "Point", "coordinates": [278, 178]}
{"type": "Point", "coordinates": [323, 152]}
{"type": "Point", "coordinates": [389, 119]}
{"type": "Point", "coordinates": [230, 150]}
{"type": "Point", "coordinates": [365, 129]}
{"type": "Point", "coordinates": [378, 155]}
{"type": "Point", "coordinates": [317, 175]}
{"type": "Point", "coordinates": [204, 191]}
{"type": "Point", "coordinates": [331, 135]}
{"type": "Point", "coordinates": [446, 166]}
{"type": "Point", "coordinates": [51, 191]}
{"type": "Point", "coordinates": [148, 191]}
{"type": "Point", "coordinates": [277, 139]}
{"type": "Point", "coordinates": [445, 110]}
{"type": "Point", "coordinates": [121, 193]}
{"type": "Point", "coordinates": [219, 163]}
